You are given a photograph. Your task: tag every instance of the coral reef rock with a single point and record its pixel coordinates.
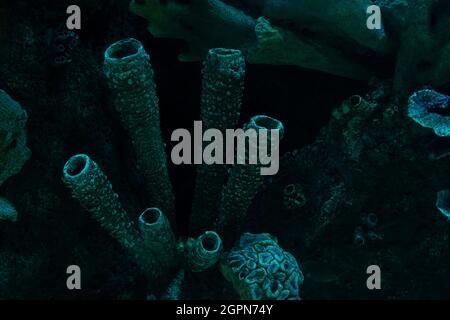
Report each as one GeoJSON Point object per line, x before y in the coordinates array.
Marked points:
{"type": "Point", "coordinates": [13, 150]}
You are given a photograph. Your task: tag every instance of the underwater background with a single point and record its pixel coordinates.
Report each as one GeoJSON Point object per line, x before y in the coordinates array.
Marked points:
{"type": "Point", "coordinates": [364, 168]}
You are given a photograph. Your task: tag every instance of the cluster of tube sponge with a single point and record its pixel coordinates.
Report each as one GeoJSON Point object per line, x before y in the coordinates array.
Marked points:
{"type": "Point", "coordinates": [260, 270]}
{"type": "Point", "coordinates": [151, 240]}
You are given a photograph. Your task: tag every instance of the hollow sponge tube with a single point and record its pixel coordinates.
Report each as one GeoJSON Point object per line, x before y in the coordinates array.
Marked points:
{"type": "Point", "coordinates": [204, 252]}
{"type": "Point", "coordinates": [223, 88]}
{"type": "Point", "coordinates": [90, 186]}
{"type": "Point", "coordinates": [244, 182]}
{"type": "Point", "coordinates": [130, 78]}
{"type": "Point", "coordinates": [158, 237]}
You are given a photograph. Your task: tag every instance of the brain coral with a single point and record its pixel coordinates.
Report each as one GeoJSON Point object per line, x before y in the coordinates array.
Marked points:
{"type": "Point", "coordinates": [259, 269]}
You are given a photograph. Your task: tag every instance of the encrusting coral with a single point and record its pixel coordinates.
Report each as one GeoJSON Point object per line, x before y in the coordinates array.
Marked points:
{"type": "Point", "coordinates": [151, 241]}
{"type": "Point", "coordinates": [431, 109]}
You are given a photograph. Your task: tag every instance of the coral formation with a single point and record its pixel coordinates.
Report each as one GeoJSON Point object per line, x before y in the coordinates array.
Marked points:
{"type": "Point", "coordinates": [62, 44]}
{"type": "Point", "coordinates": [431, 109]}
{"type": "Point", "coordinates": [293, 197]}
{"type": "Point", "coordinates": [130, 77]}
{"type": "Point", "coordinates": [362, 156]}
{"type": "Point", "coordinates": [223, 86]}
{"type": "Point", "coordinates": [221, 25]}
{"type": "Point", "coordinates": [321, 35]}
{"type": "Point", "coordinates": [359, 238]}
{"type": "Point", "coordinates": [175, 289]}
{"type": "Point", "coordinates": [13, 150]}
{"type": "Point", "coordinates": [152, 243]}
{"type": "Point", "coordinates": [369, 220]}
{"type": "Point", "coordinates": [7, 211]}
{"type": "Point", "coordinates": [259, 269]}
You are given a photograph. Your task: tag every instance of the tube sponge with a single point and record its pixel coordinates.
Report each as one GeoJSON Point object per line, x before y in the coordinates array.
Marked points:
{"type": "Point", "coordinates": [13, 150]}
{"type": "Point", "coordinates": [158, 237]}
{"type": "Point", "coordinates": [89, 185]}
{"type": "Point", "coordinates": [130, 77]}
{"type": "Point", "coordinates": [223, 87]}
{"type": "Point", "coordinates": [7, 211]}
{"type": "Point", "coordinates": [259, 269]}
{"type": "Point", "coordinates": [204, 252]}
{"type": "Point", "coordinates": [431, 109]}
{"type": "Point", "coordinates": [244, 182]}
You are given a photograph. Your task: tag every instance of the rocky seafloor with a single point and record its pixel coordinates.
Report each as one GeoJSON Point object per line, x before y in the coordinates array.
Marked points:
{"type": "Point", "coordinates": [350, 150]}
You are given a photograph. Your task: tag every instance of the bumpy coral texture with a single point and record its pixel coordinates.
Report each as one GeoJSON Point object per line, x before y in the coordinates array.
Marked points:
{"type": "Point", "coordinates": [430, 109]}
{"type": "Point", "coordinates": [222, 92]}
{"type": "Point", "coordinates": [260, 269]}
{"type": "Point", "coordinates": [244, 181]}
{"type": "Point", "coordinates": [130, 77]}
{"type": "Point", "coordinates": [13, 150]}
{"type": "Point", "coordinates": [91, 187]}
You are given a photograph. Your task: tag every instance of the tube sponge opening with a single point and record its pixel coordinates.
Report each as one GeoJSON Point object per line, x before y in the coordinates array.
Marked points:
{"type": "Point", "coordinates": [210, 242]}
{"type": "Point", "coordinates": [76, 166]}
{"type": "Point", "coordinates": [124, 49]}
{"type": "Point", "coordinates": [91, 187]}
{"type": "Point", "coordinates": [262, 122]}
{"type": "Point", "coordinates": [204, 252]}
{"type": "Point", "coordinates": [227, 60]}
{"type": "Point", "coordinates": [150, 217]}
